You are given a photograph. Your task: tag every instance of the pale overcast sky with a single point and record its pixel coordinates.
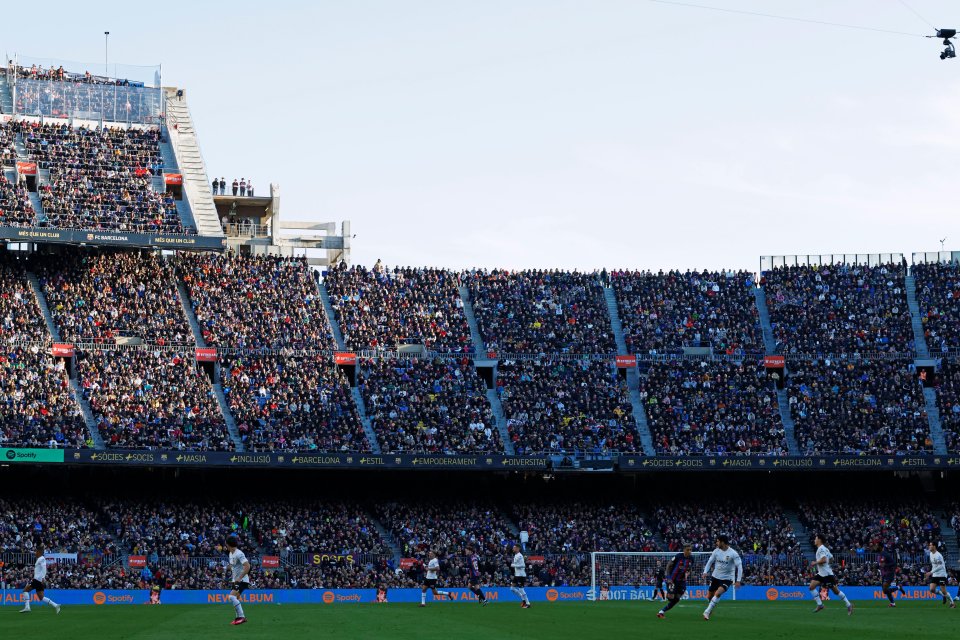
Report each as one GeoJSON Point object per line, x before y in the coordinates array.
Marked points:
{"type": "Point", "coordinates": [553, 133]}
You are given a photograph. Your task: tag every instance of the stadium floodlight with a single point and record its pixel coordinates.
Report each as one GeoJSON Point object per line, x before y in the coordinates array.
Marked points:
{"type": "Point", "coordinates": [634, 569]}
{"type": "Point", "coordinates": [106, 54]}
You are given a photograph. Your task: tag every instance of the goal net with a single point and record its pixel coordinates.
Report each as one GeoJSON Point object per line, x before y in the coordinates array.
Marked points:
{"type": "Point", "coordinates": [633, 575]}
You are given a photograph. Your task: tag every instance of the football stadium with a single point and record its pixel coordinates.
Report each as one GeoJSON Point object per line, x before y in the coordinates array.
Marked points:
{"type": "Point", "coordinates": [217, 421]}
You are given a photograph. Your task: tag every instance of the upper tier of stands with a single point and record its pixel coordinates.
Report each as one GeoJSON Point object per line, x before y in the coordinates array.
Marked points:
{"type": "Point", "coordinates": [938, 296]}
{"type": "Point", "coordinates": [664, 312]}
{"type": "Point", "coordinates": [834, 309]}
{"type": "Point", "coordinates": [540, 311]}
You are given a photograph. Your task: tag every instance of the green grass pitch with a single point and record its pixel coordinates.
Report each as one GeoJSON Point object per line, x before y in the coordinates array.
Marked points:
{"type": "Point", "coordinates": [610, 620]}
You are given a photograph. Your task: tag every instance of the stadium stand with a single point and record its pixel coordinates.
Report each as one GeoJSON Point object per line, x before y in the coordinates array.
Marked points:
{"type": "Point", "coordinates": [437, 406]}
{"type": "Point", "coordinates": [582, 527]}
{"type": "Point", "coordinates": [292, 403]}
{"type": "Point", "coordinates": [540, 311]}
{"type": "Point", "coordinates": [566, 407]}
{"type": "Point", "coordinates": [718, 408]}
{"type": "Point", "coordinates": [862, 407]}
{"type": "Point", "coordinates": [20, 315]}
{"type": "Point", "coordinates": [100, 179]}
{"type": "Point", "coordinates": [255, 302]}
{"type": "Point", "coordinates": [839, 309]}
{"type": "Point", "coordinates": [308, 526]}
{"type": "Point", "coordinates": [36, 407]}
{"type": "Point", "coordinates": [938, 296]}
{"type": "Point", "coordinates": [144, 398]}
{"type": "Point", "coordinates": [948, 401]}
{"type": "Point", "coordinates": [664, 312]}
{"type": "Point", "coordinates": [102, 296]}
{"type": "Point", "coordinates": [859, 527]}
{"type": "Point", "coordinates": [383, 308]}
{"type": "Point", "coordinates": [63, 525]}
{"type": "Point", "coordinates": [754, 527]}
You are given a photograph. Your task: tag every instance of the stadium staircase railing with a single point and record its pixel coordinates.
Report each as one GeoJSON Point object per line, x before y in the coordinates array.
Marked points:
{"type": "Point", "coordinates": [920, 341]}
{"type": "Point", "coordinates": [769, 342]}
{"type": "Point", "coordinates": [633, 376]}
{"type": "Point", "coordinates": [331, 315]}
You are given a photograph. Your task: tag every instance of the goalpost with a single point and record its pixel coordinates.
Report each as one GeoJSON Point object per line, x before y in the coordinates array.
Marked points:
{"type": "Point", "coordinates": [637, 572]}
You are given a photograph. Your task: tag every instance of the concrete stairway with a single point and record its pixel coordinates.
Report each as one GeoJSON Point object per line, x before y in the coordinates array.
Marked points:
{"type": "Point", "coordinates": [803, 535]}
{"type": "Point", "coordinates": [387, 537]}
{"type": "Point", "coordinates": [514, 529]}
{"type": "Point", "coordinates": [170, 165]}
{"type": "Point", "coordinates": [44, 309]}
{"type": "Point", "coordinates": [225, 410]}
{"type": "Point", "coordinates": [769, 342]}
{"type": "Point", "coordinates": [87, 413]}
{"type": "Point", "coordinates": [789, 427]}
{"type": "Point", "coordinates": [365, 420]}
{"type": "Point", "coordinates": [188, 312]}
{"type": "Point", "coordinates": [633, 378]}
{"type": "Point", "coordinates": [186, 151]}
{"type": "Point", "coordinates": [496, 407]}
{"type": "Point", "coordinates": [6, 95]}
{"type": "Point", "coordinates": [923, 350]}
{"type": "Point", "coordinates": [331, 315]}
{"type": "Point", "coordinates": [478, 346]}
{"type": "Point", "coordinates": [933, 419]}
{"type": "Point", "coordinates": [652, 525]}
{"type": "Point", "coordinates": [37, 206]}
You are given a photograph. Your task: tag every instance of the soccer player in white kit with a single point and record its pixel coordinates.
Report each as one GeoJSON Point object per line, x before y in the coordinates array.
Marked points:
{"type": "Point", "coordinates": [727, 571]}
{"type": "Point", "coordinates": [37, 584]}
{"type": "Point", "coordinates": [430, 581]}
{"type": "Point", "coordinates": [825, 577]}
{"type": "Point", "coordinates": [240, 570]}
{"type": "Point", "coordinates": [519, 566]}
{"type": "Point", "coordinates": [938, 574]}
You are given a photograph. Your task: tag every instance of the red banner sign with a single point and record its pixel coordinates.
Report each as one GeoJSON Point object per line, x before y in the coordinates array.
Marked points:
{"type": "Point", "coordinates": [773, 362]}
{"type": "Point", "coordinates": [345, 357]}
{"type": "Point", "coordinates": [62, 350]}
{"type": "Point", "coordinates": [270, 562]}
{"type": "Point", "coordinates": [173, 178]}
{"type": "Point", "coordinates": [206, 355]}
{"type": "Point", "coordinates": [492, 355]}
{"type": "Point", "coordinates": [27, 168]}
{"type": "Point", "coordinates": [408, 563]}
{"type": "Point", "coordinates": [625, 362]}
{"type": "Point", "coordinates": [536, 559]}
{"type": "Point", "coordinates": [137, 562]}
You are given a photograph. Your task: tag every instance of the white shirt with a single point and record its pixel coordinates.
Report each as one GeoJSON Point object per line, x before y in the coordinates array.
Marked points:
{"type": "Point", "coordinates": [519, 566]}
{"type": "Point", "coordinates": [40, 569]}
{"type": "Point", "coordinates": [824, 569]}
{"type": "Point", "coordinates": [726, 565]}
{"type": "Point", "coordinates": [237, 560]}
{"type": "Point", "coordinates": [938, 565]}
{"type": "Point", "coordinates": [432, 568]}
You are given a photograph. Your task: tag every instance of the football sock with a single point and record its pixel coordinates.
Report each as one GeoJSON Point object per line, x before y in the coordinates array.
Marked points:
{"type": "Point", "coordinates": [478, 593]}
{"type": "Point", "coordinates": [816, 597]}
{"type": "Point", "coordinates": [423, 597]}
{"type": "Point", "coordinates": [26, 603]}
{"type": "Point", "coordinates": [48, 601]}
{"type": "Point", "coordinates": [713, 603]}
{"type": "Point", "coordinates": [843, 597]}
{"type": "Point", "coordinates": [889, 591]}
{"type": "Point", "coordinates": [670, 605]}
{"type": "Point", "coordinates": [237, 606]}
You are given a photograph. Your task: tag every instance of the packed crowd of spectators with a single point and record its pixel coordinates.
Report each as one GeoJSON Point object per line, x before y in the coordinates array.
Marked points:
{"type": "Point", "coordinates": [713, 408]}
{"type": "Point", "coordinates": [754, 527]}
{"type": "Point", "coordinates": [428, 406]}
{"type": "Point", "coordinates": [175, 528]}
{"type": "Point", "coordinates": [61, 525]}
{"type": "Point", "coordinates": [292, 403]}
{"type": "Point", "coordinates": [255, 302]}
{"type": "Point", "coordinates": [836, 309]}
{"type": "Point", "coordinates": [381, 308]}
{"type": "Point", "coordinates": [315, 527]}
{"type": "Point", "coordinates": [59, 74]}
{"type": "Point", "coordinates": [541, 311]}
{"type": "Point", "coordinates": [151, 399]}
{"type": "Point", "coordinates": [663, 312]}
{"type": "Point", "coordinates": [100, 179]}
{"type": "Point", "coordinates": [582, 527]}
{"type": "Point", "coordinates": [938, 296]}
{"type": "Point", "coordinates": [20, 315]}
{"type": "Point", "coordinates": [446, 527]}
{"type": "Point", "coordinates": [865, 407]}
{"type": "Point", "coordinates": [862, 527]}
{"type": "Point", "coordinates": [15, 207]}
{"type": "Point", "coordinates": [566, 407]}
{"type": "Point", "coordinates": [36, 405]}
{"type": "Point", "coordinates": [948, 402]}
{"type": "Point", "coordinates": [100, 296]}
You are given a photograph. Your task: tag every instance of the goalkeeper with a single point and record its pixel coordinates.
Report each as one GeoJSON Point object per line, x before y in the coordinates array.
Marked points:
{"type": "Point", "coordinates": [677, 570]}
